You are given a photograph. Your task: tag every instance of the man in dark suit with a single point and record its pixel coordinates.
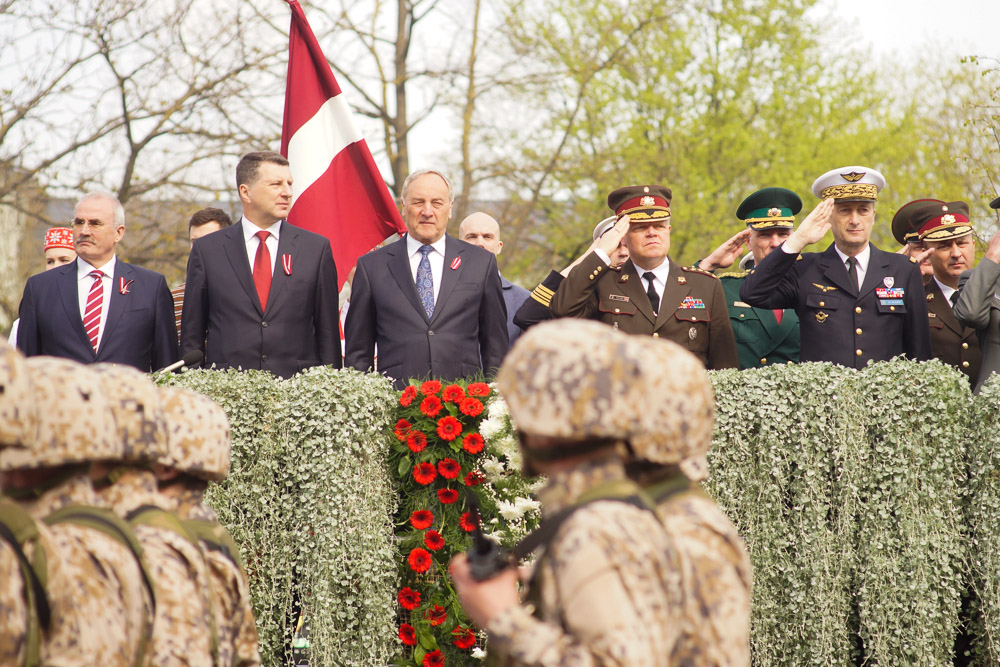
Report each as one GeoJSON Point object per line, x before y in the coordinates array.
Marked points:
{"type": "Point", "coordinates": [855, 303]}
{"type": "Point", "coordinates": [432, 303]}
{"type": "Point", "coordinates": [98, 308]}
{"type": "Point", "coordinates": [262, 294]}
{"type": "Point", "coordinates": [979, 306]}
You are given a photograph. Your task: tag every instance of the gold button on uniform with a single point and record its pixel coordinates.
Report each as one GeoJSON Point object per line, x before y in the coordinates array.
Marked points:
{"type": "Point", "coordinates": [858, 309]}
{"type": "Point", "coordinates": [965, 364]}
{"type": "Point", "coordinates": [965, 346]}
{"type": "Point", "coordinates": [857, 331]}
{"type": "Point", "coordinates": [741, 316]}
{"type": "Point", "coordinates": [764, 360]}
{"type": "Point", "coordinates": [857, 352]}
{"type": "Point", "coordinates": [618, 310]}
{"type": "Point", "coordinates": [656, 335]}
{"type": "Point", "coordinates": [822, 303]}
{"type": "Point", "coordinates": [893, 308]}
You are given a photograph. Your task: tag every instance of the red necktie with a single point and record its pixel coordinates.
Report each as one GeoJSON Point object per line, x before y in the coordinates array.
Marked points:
{"type": "Point", "coordinates": [778, 312]}
{"type": "Point", "coordinates": [92, 313]}
{"type": "Point", "coordinates": [262, 269]}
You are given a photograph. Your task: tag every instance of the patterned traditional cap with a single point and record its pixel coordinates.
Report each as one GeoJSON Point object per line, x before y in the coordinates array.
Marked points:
{"type": "Point", "coordinates": [76, 424]}
{"type": "Point", "coordinates": [770, 208]}
{"type": "Point", "coordinates": [604, 225]}
{"type": "Point", "coordinates": [58, 237]}
{"type": "Point", "coordinates": [198, 441]}
{"type": "Point", "coordinates": [849, 184]}
{"type": "Point", "coordinates": [942, 221]}
{"type": "Point", "coordinates": [138, 412]}
{"type": "Point", "coordinates": [578, 380]}
{"type": "Point", "coordinates": [641, 203]}
{"type": "Point", "coordinates": [902, 223]}
{"type": "Point", "coordinates": [18, 417]}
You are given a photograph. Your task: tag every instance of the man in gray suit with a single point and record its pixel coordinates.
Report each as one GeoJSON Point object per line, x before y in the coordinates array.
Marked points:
{"type": "Point", "coordinates": [483, 230]}
{"type": "Point", "coordinates": [432, 304]}
{"type": "Point", "coordinates": [978, 306]}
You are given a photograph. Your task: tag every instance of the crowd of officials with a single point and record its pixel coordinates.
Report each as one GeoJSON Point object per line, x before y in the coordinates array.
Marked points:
{"type": "Point", "coordinates": [636, 566]}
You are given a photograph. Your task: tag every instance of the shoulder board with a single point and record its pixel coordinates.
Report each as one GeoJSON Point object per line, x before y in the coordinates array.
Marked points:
{"type": "Point", "coordinates": [799, 258]}
{"type": "Point", "coordinates": [738, 274]}
{"type": "Point", "coordinates": [913, 260]}
{"type": "Point", "coordinates": [695, 269]}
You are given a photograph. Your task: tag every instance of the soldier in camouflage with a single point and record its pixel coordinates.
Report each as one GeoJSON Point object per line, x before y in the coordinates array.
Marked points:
{"type": "Point", "coordinates": [197, 452]}
{"type": "Point", "coordinates": [668, 433]}
{"type": "Point", "coordinates": [183, 625]}
{"type": "Point", "coordinates": [606, 588]}
{"type": "Point", "coordinates": [99, 609]}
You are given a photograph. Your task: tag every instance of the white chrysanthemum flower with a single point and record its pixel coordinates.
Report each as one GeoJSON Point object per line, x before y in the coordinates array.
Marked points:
{"type": "Point", "coordinates": [526, 504]}
{"type": "Point", "coordinates": [498, 408]}
{"type": "Point", "coordinates": [478, 653]}
{"type": "Point", "coordinates": [510, 511]}
{"type": "Point", "coordinates": [490, 427]}
{"type": "Point", "coordinates": [492, 468]}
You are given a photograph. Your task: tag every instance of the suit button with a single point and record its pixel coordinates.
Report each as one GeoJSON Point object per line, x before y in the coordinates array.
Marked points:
{"type": "Point", "coordinates": [857, 352]}
{"type": "Point", "coordinates": [965, 346]}
{"type": "Point", "coordinates": [741, 316]}
{"type": "Point", "coordinates": [857, 331]}
{"type": "Point", "coordinates": [430, 332]}
{"type": "Point", "coordinates": [892, 307]}
{"type": "Point", "coordinates": [858, 309]}
{"type": "Point", "coordinates": [618, 310]}
{"type": "Point", "coordinates": [965, 364]}
{"type": "Point", "coordinates": [764, 360]}
{"type": "Point", "coordinates": [822, 303]}
{"type": "Point", "coordinates": [264, 324]}
{"type": "Point", "coordinates": [692, 318]}
{"type": "Point", "coordinates": [263, 357]}
{"type": "Point", "coordinates": [656, 335]}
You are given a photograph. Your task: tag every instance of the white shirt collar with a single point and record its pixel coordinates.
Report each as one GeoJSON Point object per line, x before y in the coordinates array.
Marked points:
{"type": "Point", "coordinates": [83, 268]}
{"type": "Point", "coordinates": [862, 256]}
{"type": "Point", "coordinates": [945, 290]}
{"type": "Point", "coordinates": [413, 245]}
{"type": "Point", "coordinates": [249, 229]}
{"type": "Point", "coordinates": [660, 273]}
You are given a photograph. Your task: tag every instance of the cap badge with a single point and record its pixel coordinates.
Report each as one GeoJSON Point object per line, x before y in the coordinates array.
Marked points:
{"type": "Point", "coordinates": [645, 189]}
{"type": "Point", "coordinates": [889, 281]}
{"type": "Point", "coordinates": [773, 212]}
{"type": "Point", "coordinates": [647, 201]}
{"type": "Point", "coordinates": [948, 219]}
{"type": "Point", "coordinates": [853, 177]}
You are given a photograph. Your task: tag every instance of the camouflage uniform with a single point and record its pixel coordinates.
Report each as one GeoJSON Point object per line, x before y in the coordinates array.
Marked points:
{"type": "Point", "coordinates": [198, 444]}
{"type": "Point", "coordinates": [607, 587]}
{"type": "Point", "coordinates": [13, 608]}
{"type": "Point", "coordinates": [671, 433]}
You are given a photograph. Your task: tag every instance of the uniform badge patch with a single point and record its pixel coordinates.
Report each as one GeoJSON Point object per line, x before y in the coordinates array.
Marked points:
{"type": "Point", "coordinates": [617, 297]}
{"type": "Point", "coordinates": [889, 281]}
{"type": "Point", "coordinates": [691, 302]}
{"type": "Point", "coordinates": [930, 297]}
{"type": "Point", "coordinates": [824, 288]}
{"type": "Point", "coordinates": [692, 333]}
{"type": "Point", "coordinates": [821, 316]}
{"type": "Point", "coordinates": [681, 280]}
{"type": "Point", "coordinates": [624, 278]}
{"type": "Point", "coordinates": [740, 304]}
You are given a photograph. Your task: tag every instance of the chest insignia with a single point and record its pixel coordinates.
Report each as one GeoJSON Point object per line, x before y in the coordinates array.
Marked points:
{"type": "Point", "coordinates": [691, 302]}
{"type": "Point", "coordinates": [617, 297]}
{"type": "Point", "coordinates": [741, 304]}
{"type": "Point", "coordinates": [889, 281]}
{"type": "Point", "coordinates": [930, 297]}
{"type": "Point", "coordinates": [821, 316]}
{"type": "Point", "coordinates": [624, 278]}
{"type": "Point", "coordinates": [692, 333]}
{"type": "Point", "coordinates": [681, 280]}
{"type": "Point", "coordinates": [824, 288]}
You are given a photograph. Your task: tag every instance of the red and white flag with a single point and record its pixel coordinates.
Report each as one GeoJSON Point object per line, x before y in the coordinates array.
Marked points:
{"type": "Point", "coordinates": [339, 191]}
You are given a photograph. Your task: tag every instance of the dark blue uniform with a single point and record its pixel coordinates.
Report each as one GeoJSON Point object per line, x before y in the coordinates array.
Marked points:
{"type": "Point", "coordinates": [837, 323]}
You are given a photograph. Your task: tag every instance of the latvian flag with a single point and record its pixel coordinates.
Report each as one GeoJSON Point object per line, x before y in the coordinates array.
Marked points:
{"type": "Point", "coordinates": [339, 192]}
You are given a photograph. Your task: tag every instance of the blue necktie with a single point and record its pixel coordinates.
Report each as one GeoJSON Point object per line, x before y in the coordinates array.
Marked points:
{"type": "Point", "coordinates": [425, 281]}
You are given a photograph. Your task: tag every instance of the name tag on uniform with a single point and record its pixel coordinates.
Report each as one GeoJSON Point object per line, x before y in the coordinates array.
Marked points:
{"type": "Point", "coordinates": [691, 302]}
{"type": "Point", "coordinates": [891, 302]}
{"type": "Point", "coordinates": [617, 297]}
{"type": "Point", "coordinates": [740, 304]}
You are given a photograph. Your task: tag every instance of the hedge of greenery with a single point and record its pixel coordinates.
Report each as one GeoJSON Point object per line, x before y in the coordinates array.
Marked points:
{"type": "Point", "coordinates": [870, 502]}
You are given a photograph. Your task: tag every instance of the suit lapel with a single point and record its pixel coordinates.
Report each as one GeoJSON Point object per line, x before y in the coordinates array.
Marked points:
{"type": "Point", "coordinates": [288, 244]}
{"type": "Point", "coordinates": [673, 294]}
{"type": "Point", "coordinates": [877, 270]}
{"type": "Point", "coordinates": [631, 285]}
{"type": "Point", "coordinates": [399, 267]}
{"type": "Point", "coordinates": [939, 306]}
{"type": "Point", "coordinates": [236, 252]}
{"type": "Point", "coordinates": [116, 304]}
{"type": "Point", "coordinates": [70, 297]}
{"type": "Point", "coordinates": [449, 276]}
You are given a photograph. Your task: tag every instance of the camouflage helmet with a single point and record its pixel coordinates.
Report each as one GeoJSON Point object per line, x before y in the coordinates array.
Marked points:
{"type": "Point", "coordinates": [198, 441]}
{"type": "Point", "coordinates": [137, 408]}
{"type": "Point", "coordinates": [75, 424]}
{"type": "Point", "coordinates": [18, 417]}
{"type": "Point", "coordinates": [581, 380]}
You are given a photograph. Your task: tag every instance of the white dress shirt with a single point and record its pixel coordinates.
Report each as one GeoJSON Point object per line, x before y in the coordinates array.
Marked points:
{"type": "Point", "coordinates": [249, 229]}
{"type": "Point", "coordinates": [659, 279]}
{"type": "Point", "coordinates": [83, 282]}
{"type": "Point", "coordinates": [863, 257]}
{"type": "Point", "coordinates": [947, 291]}
{"type": "Point", "coordinates": [435, 257]}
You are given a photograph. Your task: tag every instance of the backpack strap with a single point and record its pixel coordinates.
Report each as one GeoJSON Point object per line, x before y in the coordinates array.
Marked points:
{"type": "Point", "coordinates": [17, 528]}
{"type": "Point", "coordinates": [213, 536]}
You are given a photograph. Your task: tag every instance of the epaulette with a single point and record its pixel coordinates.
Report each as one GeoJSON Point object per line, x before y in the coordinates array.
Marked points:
{"type": "Point", "coordinates": [913, 260]}
{"type": "Point", "coordinates": [695, 269]}
{"type": "Point", "coordinates": [738, 274]}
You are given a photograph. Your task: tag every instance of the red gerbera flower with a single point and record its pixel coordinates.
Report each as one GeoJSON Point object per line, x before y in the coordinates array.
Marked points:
{"type": "Point", "coordinates": [464, 639]}
{"type": "Point", "coordinates": [449, 428]}
{"type": "Point", "coordinates": [416, 441]}
{"type": "Point", "coordinates": [471, 407]}
{"type": "Point", "coordinates": [402, 428]}
{"type": "Point", "coordinates": [419, 560]}
{"type": "Point", "coordinates": [473, 443]}
{"type": "Point", "coordinates": [474, 478]}
{"type": "Point", "coordinates": [437, 615]}
{"type": "Point", "coordinates": [449, 468]}
{"type": "Point", "coordinates": [480, 389]}
{"type": "Point", "coordinates": [409, 394]}
{"type": "Point", "coordinates": [433, 659]}
{"type": "Point", "coordinates": [408, 635]}
{"type": "Point", "coordinates": [453, 393]}
{"type": "Point", "coordinates": [447, 496]}
{"type": "Point", "coordinates": [433, 540]}
{"type": "Point", "coordinates": [421, 519]}
{"type": "Point", "coordinates": [409, 598]}
{"type": "Point", "coordinates": [430, 387]}
{"type": "Point", "coordinates": [430, 406]}
{"type": "Point", "coordinates": [466, 523]}
{"type": "Point", "coordinates": [424, 473]}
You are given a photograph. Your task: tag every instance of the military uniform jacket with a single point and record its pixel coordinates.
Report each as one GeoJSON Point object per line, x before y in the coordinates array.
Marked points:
{"type": "Point", "coordinates": [692, 307]}
{"type": "Point", "coordinates": [839, 323]}
{"type": "Point", "coordinates": [951, 342]}
{"type": "Point", "coordinates": [979, 307]}
{"type": "Point", "coordinates": [760, 340]}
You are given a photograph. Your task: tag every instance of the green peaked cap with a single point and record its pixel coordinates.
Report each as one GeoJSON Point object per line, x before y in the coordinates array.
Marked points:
{"type": "Point", "coordinates": [770, 208]}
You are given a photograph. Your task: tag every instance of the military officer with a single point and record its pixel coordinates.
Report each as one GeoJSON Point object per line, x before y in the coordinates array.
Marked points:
{"type": "Point", "coordinates": [652, 295]}
{"type": "Point", "coordinates": [715, 566]}
{"type": "Point", "coordinates": [855, 303]}
{"type": "Point", "coordinates": [979, 306]}
{"type": "Point", "coordinates": [905, 234]}
{"type": "Point", "coordinates": [944, 229]}
{"type": "Point", "coordinates": [197, 453]}
{"type": "Point", "coordinates": [763, 337]}
{"type": "Point", "coordinates": [606, 587]}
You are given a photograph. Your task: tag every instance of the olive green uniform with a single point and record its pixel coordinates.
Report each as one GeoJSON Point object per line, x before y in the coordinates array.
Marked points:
{"type": "Point", "coordinates": [760, 339]}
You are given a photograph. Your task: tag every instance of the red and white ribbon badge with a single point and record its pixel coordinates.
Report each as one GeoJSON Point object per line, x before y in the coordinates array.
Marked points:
{"type": "Point", "coordinates": [455, 263]}
{"type": "Point", "coordinates": [123, 285]}
{"type": "Point", "coordinates": [286, 264]}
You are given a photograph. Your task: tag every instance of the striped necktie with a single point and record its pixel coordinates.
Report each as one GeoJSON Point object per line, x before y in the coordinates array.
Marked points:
{"type": "Point", "coordinates": [92, 313]}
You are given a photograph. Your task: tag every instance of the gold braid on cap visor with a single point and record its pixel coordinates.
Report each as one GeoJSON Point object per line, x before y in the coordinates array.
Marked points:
{"type": "Point", "coordinates": [850, 191]}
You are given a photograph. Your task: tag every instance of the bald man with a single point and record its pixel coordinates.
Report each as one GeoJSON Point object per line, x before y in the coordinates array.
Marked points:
{"type": "Point", "coordinates": [483, 230]}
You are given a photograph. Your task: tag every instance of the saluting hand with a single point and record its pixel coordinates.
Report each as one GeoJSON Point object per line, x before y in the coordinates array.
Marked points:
{"type": "Point", "coordinates": [813, 228]}
{"type": "Point", "coordinates": [727, 253]}
{"type": "Point", "coordinates": [993, 249]}
{"type": "Point", "coordinates": [611, 238]}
